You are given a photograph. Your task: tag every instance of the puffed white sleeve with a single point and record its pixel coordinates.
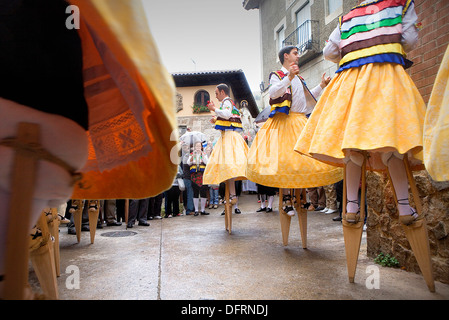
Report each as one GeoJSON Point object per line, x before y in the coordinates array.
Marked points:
{"type": "Point", "coordinates": [226, 111]}
{"type": "Point", "coordinates": [331, 51]}
{"type": "Point", "coordinates": [409, 32]}
{"type": "Point", "coordinates": [278, 87]}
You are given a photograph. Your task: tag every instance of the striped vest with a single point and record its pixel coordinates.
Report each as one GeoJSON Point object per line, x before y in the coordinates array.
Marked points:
{"type": "Point", "coordinates": [200, 167]}
{"type": "Point", "coordinates": [233, 123]}
{"type": "Point", "coordinates": [371, 33]}
{"type": "Point", "coordinates": [284, 102]}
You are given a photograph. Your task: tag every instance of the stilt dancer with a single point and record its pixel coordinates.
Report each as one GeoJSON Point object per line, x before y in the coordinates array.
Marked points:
{"type": "Point", "coordinates": [372, 115]}
{"type": "Point", "coordinates": [272, 161]}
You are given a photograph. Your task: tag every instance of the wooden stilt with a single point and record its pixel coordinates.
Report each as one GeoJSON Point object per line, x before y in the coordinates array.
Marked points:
{"type": "Point", "coordinates": [93, 217]}
{"type": "Point", "coordinates": [53, 227]}
{"type": "Point", "coordinates": [77, 217]}
{"type": "Point", "coordinates": [302, 215]}
{"type": "Point", "coordinates": [416, 234]}
{"type": "Point", "coordinates": [352, 232]}
{"type": "Point", "coordinates": [20, 209]}
{"type": "Point", "coordinates": [43, 260]}
{"type": "Point", "coordinates": [285, 219]}
{"type": "Point", "coordinates": [126, 212]}
{"type": "Point", "coordinates": [228, 209]}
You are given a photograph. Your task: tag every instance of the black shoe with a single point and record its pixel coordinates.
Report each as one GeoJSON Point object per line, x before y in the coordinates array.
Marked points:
{"type": "Point", "coordinates": [269, 209]}
{"type": "Point", "coordinates": [223, 213]}
{"type": "Point", "coordinates": [143, 223]}
{"type": "Point", "coordinates": [130, 225]}
{"type": "Point", "coordinates": [237, 211]}
{"type": "Point", "coordinates": [99, 226]}
{"type": "Point", "coordinates": [204, 213]}
{"type": "Point", "coordinates": [114, 224]}
{"type": "Point", "coordinates": [262, 209]}
{"type": "Point", "coordinates": [336, 218]}
{"type": "Point", "coordinates": [71, 230]}
{"type": "Point", "coordinates": [85, 228]}
{"type": "Point", "coordinates": [306, 205]}
{"type": "Point", "coordinates": [319, 209]}
{"type": "Point", "coordinates": [288, 209]}
{"type": "Point", "coordinates": [196, 213]}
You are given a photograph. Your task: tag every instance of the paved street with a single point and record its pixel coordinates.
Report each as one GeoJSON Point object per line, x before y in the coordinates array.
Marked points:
{"type": "Point", "coordinates": [194, 258]}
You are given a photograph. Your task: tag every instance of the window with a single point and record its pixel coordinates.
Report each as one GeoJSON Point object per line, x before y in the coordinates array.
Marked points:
{"type": "Point", "coordinates": [280, 37]}
{"type": "Point", "coordinates": [303, 26]}
{"type": "Point", "coordinates": [201, 98]}
{"type": "Point", "coordinates": [333, 5]}
{"type": "Point", "coordinates": [334, 8]}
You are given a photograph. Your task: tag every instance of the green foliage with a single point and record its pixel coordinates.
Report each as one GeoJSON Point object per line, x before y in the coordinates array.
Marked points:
{"type": "Point", "coordinates": [386, 260]}
{"type": "Point", "coordinates": [200, 109]}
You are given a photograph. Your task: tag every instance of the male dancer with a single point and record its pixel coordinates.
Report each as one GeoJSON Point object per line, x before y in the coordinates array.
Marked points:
{"type": "Point", "coordinates": [229, 156]}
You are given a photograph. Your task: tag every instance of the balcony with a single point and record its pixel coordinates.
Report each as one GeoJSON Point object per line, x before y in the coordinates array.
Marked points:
{"type": "Point", "coordinates": [307, 39]}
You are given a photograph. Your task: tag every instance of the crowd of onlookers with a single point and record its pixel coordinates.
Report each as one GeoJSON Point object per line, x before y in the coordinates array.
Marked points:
{"type": "Point", "coordinates": [325, 199]}
{"type": "Point", "coordinates": [184, 196]}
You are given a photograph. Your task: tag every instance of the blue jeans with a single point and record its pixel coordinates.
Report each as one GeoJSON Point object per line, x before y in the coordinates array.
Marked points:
{"type": "Point", "coordinates": [189, 194]}
{"type": "Point", "coordinates": [213, 195]}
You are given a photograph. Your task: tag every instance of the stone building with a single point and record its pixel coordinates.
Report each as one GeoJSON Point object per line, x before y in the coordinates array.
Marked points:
{"type": "Point", "coordinates": [307, 24]}
{"type": "Point", "coordinates": [195, 89]}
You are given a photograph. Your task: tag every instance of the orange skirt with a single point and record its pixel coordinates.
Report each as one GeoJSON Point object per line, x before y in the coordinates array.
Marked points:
{"type": "Point", "coordinates": [228, 159]}
{"type": "Point", "coordinates": [132, 122]}
{"type": "Point", "coordinates": [273, 163]}
{"type": "Point", "coordinates": [436, 125]}
{"type": "Point", "coordinates": [376, 108]}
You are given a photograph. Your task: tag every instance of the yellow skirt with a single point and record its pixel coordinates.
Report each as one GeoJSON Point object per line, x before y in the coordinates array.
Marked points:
{"type": "Point", "coordinates": [273, 163]}
{"type": "Point", "coordinates": [228, 159]}
{"type": "Point", "coordinates": [436, 125]}
{"type": "Point", "coordinates": [376, 108]}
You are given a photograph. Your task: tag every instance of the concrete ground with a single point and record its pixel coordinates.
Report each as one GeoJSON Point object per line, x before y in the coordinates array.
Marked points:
{"type": "Point", "coordinates": [194, 258]}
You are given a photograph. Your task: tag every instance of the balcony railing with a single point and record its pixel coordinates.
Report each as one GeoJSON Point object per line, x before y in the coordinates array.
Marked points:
{"type": "Point", "coordinates": [306, 37]}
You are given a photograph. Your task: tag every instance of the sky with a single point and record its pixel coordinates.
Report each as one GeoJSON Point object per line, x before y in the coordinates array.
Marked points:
{"type": "Point", "coordinates": [206, 35]}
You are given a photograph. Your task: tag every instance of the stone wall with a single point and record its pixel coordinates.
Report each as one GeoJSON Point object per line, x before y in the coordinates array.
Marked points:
{"type": "Point", "coordinates": [385, 234]}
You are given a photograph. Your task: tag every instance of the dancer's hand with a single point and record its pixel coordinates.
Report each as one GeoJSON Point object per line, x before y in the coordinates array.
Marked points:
{"type": "Point", "coordinates": [211, 105]}
{"type": "Point", "coordinates": [324, 80]}
{"type": "Point", "coordinates": [293, 70]}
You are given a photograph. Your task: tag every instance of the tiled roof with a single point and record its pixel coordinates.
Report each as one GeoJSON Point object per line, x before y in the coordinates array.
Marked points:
{"type": "Point", "coordinates": [236, 79]}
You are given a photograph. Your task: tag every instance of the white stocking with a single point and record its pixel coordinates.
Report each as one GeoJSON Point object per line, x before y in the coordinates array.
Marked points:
{"type": "Point", "coordinates": [270, 201]}
{"type": "Point", "coordinates": [353, 174]}
{"type": "Point", "coordinates": [398, 175]}
{"type": "Point", "coordinates": [203, 204]}
{"type": "Point", "coordinates": [236, 206]}
{"type": "Point", "coordinates": [195, 203]}
{"type": "Point", "coordinates": [262, 201]}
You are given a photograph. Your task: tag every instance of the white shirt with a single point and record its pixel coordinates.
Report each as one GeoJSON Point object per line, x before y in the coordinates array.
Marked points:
{"type": "Point", "coordinates": [225, 110]}
{"type": "Point", "coordinates": [205, 159]}
{"type": "Point", "coordinates": [409, 39]}
{"type": "Point", "coordinates": [279, 87]}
